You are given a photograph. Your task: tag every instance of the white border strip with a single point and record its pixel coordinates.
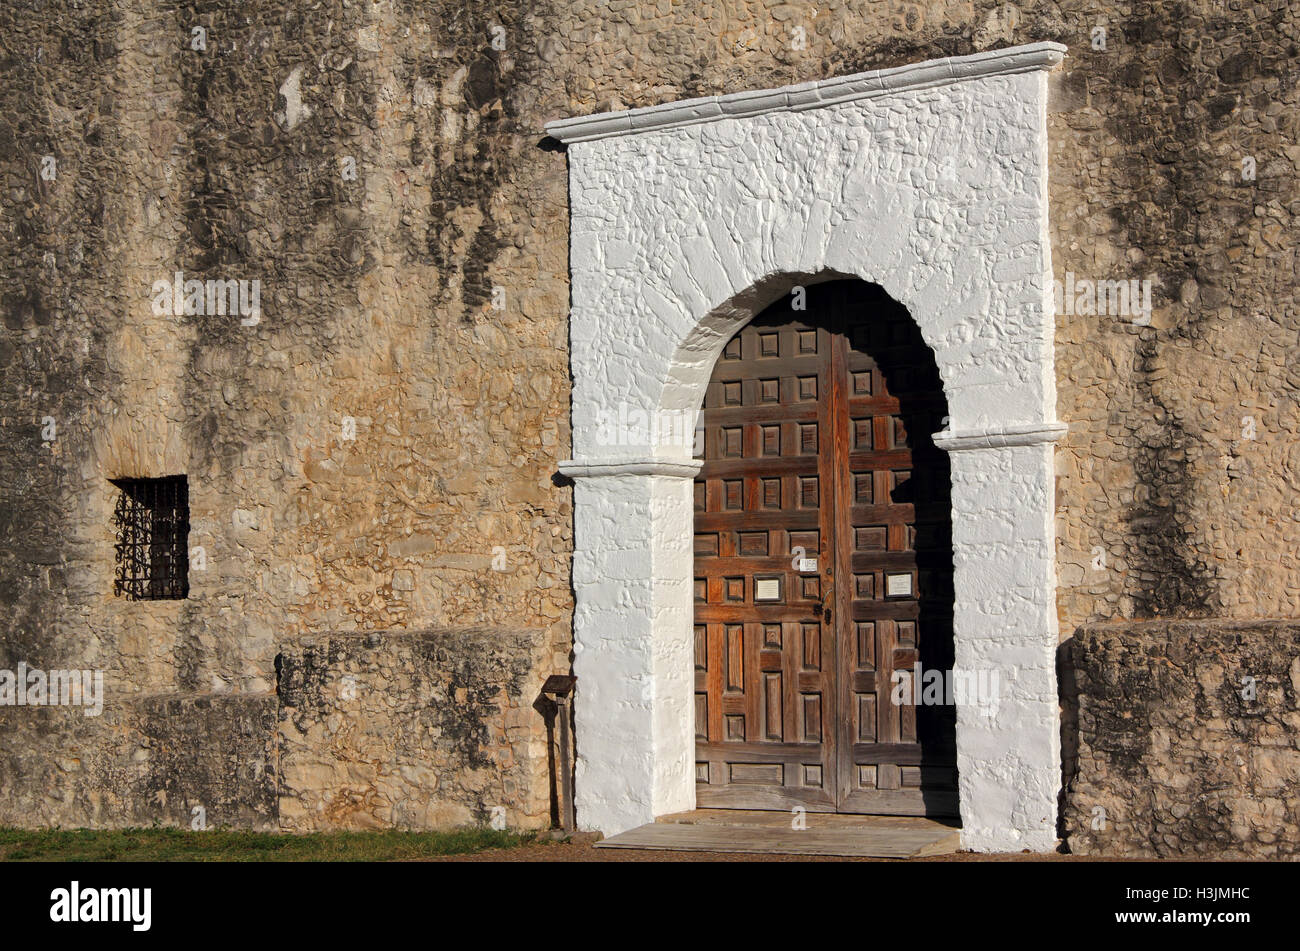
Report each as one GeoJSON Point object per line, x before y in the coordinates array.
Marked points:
{"type": "Point", "coordinates": [578, 469]}
{"type": "Point", "coordinates": [814, 95]}
{"type": "Point", "coordinates": [997, 438]}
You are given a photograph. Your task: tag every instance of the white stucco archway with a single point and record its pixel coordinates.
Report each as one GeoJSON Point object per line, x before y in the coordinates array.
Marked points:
{"type": "Point", "coordinates": [686, 220]}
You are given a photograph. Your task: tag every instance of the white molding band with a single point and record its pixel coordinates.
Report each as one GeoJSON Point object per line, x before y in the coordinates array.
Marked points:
{"type": "Point", "coordinates": [592, 468]}
{"type": "Point", "coordinates": [928, 180]}
{"type": "Point", "coordinates": [1000, 438]}
{"type": "Point", "coordinates": [813, 95]}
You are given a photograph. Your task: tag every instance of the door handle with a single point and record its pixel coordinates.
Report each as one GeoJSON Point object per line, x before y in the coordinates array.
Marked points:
{"type": "Point", "coordinates": [827, 586]}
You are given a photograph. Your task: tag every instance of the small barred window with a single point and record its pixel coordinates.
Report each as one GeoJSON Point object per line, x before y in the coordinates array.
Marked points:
{"type": "Point", "coordinates": [152, 520]}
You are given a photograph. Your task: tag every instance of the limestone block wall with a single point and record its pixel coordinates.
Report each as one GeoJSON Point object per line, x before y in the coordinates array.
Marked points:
{"type": "Point", "coordinates": [1180, 739]}
{"type": "Point", "coordinates": [412, 730]}
{"type": "Point", "coordinates": [425, 729]}
{"type": "Point", "coordinates": [151, 760]}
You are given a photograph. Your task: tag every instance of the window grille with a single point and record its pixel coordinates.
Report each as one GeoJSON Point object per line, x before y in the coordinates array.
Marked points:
{"type": "Point", "coordinates": [152, 521]}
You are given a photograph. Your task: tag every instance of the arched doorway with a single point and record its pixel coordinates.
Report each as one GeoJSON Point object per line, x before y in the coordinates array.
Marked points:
{"type": "Point", "coordinates": [662, 278]}
{"type": "Point", "coordinates": [823, 564]}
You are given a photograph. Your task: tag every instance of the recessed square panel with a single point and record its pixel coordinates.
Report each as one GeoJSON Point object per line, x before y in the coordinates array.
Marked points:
{"type": "Point", "coordinates": [769, 391]}
{"type": "Point", "coordinates": [733, 495]}
{"type": "Point", "coordinates": [735, 588]}
{"type": "Point", "coordinates": [811, 635]}
{"type": "Point", "coordinates": [772, 636]}
{"type": "Point", "coordinates": [702, 773]}
{"type": "Point", "coordinates": [734, 657]}
{"type": "Point", "coordinates": [807, 341]}
{"type": "Point", "coordinates": [864, 586]}
{"type": "Point", "coordinates": [706, 543]}
{"type": "Point", "coordinates": [769, 345]}
{"type": "Point", "coordinates": [772, 493]}
{"type": "Point", "coordinates": [701, 590]}
{"type": "Point", "coordinates": [862, 383]}
{"type": "Point", "coordinates": [900, 434]}
{"type": "Point", "coordinates": [809, 541]}
{"type": "Point", "coordinates": [771, 440]}
{"type": "Point", "coordinates": [754, 544]}
{"type": "Point", "coordinates": [867, 777]}
{"type": "Point", "coordinates": [866, 636]}
{"type": "Point", "coordinates": [906, 633]}
{"type": "Point", "coordinates": [811, 704]}
{"type": "Point", "coordinates": [862, 493]}
{"type": "Point", "coordinates": [756, 774]}
{"type": "Point", "coordinates": [812, 775]}
{"type": "Point", "coordinates": [807, 387]}
{"type": "Point", "coordinates": [732, 350]}
{"type": "Point", "coordinates": [862, 433]}
{"type": "Point", "coordinates": [867, 718]}
{"type": "Point", "coordinates": [773, 727]}
{"type": "Point", "coordinates": [733, 441]}
{"type": "Point", "coordinates": [735, 727]}
{"type": "Point", "coordinates": [808, 494]}
{"type": "Point", "coordinates": [810, 588]}
{"type": "Point", "coordinates": [870, 538]}
{"type": "Point", "coordinates": [731, 393]}
{"type": "Point", "coordinates": [808, 439]}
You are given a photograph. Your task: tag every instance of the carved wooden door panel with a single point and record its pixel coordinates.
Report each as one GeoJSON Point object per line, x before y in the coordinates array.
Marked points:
{"type": "Point", "coordinates": [893, 554]}
{"type": "Point", "coordinates": [764, 663]}
{"type": "Point", "coordinates": [821, 556]}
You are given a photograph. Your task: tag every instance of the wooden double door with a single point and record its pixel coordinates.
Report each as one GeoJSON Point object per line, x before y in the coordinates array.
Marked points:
{"type": "Point", "coordinates": [823, 563]}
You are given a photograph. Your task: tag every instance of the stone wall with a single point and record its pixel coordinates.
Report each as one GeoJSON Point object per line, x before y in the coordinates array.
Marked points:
{"type": "Point", "coordinates": [1180, 739]}
{"type": "Point", "coordinates": [145, 761]}
{"type": "Point", "coordinates": [407, 729]}
{"type": "Point", "coordinates": [420, 730]}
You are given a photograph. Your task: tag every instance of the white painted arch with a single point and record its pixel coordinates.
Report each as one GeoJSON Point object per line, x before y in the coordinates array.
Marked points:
{"type": "Point", "coordinates": [686, 221]}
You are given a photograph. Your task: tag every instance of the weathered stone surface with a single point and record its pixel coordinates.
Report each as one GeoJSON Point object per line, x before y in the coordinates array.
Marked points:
{"type": "Point", "coordinates": [406, 729]}
{"type": "Point", "coordinates": [1180, 739]}
{"type": "Point", "coordinates": [429, 729]}
{"type": "Point", "coordinates": [150, 760]}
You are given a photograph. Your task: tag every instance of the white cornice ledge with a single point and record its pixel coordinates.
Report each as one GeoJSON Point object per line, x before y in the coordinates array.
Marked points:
{"type": "Point", "coordinates": [1032, 435]}
{"type": "Point", "coordinates": [590, 468]}
{"type": "Point", "coordinates": [814, 95]}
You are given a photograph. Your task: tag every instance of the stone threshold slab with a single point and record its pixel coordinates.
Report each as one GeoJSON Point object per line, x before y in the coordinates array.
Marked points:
{"type": "Point", "coordinates": [725, 830]}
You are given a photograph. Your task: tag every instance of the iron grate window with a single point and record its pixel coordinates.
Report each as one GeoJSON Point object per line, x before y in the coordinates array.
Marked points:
{"type": "Point", "coordinates": [152, 520]}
